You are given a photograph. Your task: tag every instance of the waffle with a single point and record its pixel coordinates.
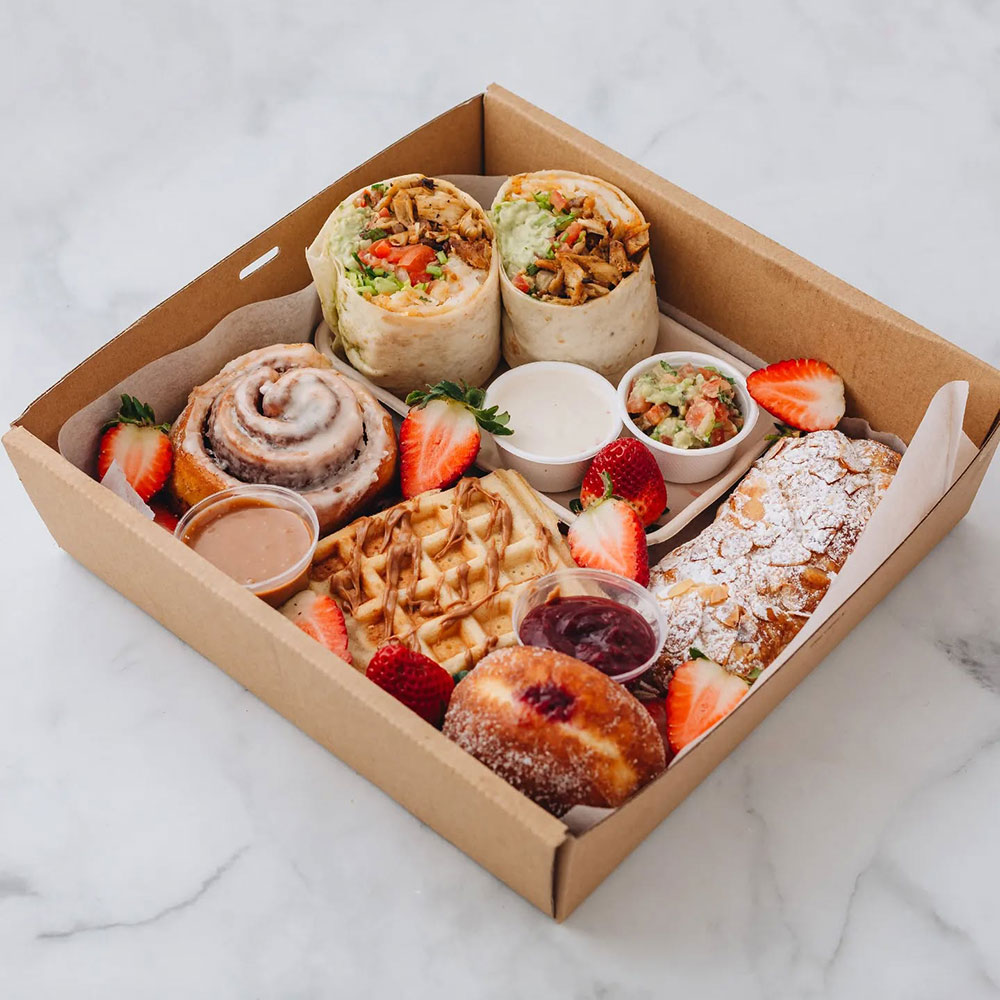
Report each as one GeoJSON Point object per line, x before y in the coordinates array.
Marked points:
{"type": "Point", "coordinates": [441, 572]}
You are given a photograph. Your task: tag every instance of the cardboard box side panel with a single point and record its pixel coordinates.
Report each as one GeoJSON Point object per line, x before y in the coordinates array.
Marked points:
{"type": "Point", "coordinates": [585, 861]}
{"type": "Point", "coordinates": [753, 290]}
{"type": "Point", "coordinates": [330, 701]}
{"type": "Point", "coordinates": [450, 144]}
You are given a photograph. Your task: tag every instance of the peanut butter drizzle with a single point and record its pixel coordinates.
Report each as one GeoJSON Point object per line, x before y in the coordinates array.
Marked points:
{"type": "Point", "coordinates": [459, 528]}
{"type": "Point", "coordinates": [478, 652]}
{"type": "Point", "coordinates": [345, 583]}
{"type": "Point", "coordinates": [543, 544]}
{"type": "Point", "coordinates": [463, 581]}
{"type": "Point", "coordinates": [466, 607]}
{"type": "Point", "coordinates": [432, 607]}
{"type": "Point", "coordinates": [500, 521]}
{"type": "Point", "coordinates": [403, 549]}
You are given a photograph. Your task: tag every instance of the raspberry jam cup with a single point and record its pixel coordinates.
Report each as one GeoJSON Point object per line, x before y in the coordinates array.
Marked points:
{"type": "Point", "coordinates": [602, 618]}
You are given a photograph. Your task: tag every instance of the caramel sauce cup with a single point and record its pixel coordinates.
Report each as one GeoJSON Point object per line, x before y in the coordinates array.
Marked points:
{"type": "Point", "coordinates": [278, 588]}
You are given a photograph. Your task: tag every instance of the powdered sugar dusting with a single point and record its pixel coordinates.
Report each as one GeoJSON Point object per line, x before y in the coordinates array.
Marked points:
{"type": "Point", "coordinates": [744, 587]}
{"type": "Point", "coordinates": [597, 752]}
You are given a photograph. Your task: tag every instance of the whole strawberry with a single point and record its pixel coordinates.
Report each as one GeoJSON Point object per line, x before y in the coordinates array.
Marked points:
{"type": "Point", "coordinates": [635, 477]}
{"type": "Point", "coordinates": [139, 445]}
{"type": "Point", "coordinates": [440, 436]}
{"type": "Point", "coordinates": [414, 679]}
{"type": "Point", "coordinates": [609, 535]}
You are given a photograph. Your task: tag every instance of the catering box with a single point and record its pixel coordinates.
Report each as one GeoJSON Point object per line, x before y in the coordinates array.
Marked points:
{"type": "Point", "coordinates": [721, 275]}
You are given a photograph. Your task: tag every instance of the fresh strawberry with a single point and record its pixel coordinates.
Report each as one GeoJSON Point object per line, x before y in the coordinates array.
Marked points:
{"type": "Point", "coordinates": [139, 445]}
{"type": "Point", "coordinates": [163, 515]}
{"type": "Point", "coordinates": [700, 693]}
{"type": "Point", "coordinates": [805, 394]}
{"type": "Point", "coordinates": [414, 679]}
{"type": "Point", "coordinates": [609, 535]}
{"type": "Point", "coordinates": [318, 616]}
{"type": "Point", "coordinates": [635, 477]}
{"type": "Point", "coordinates": [440, 436]}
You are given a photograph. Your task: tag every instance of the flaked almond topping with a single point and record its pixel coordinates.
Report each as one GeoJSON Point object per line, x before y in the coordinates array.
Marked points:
{"type": "Point", "coordinates": [713, 593]}
{"type": "Point", "coordinates": [814, 578]}
{"type": "Point", "coordinates": [753, 509]}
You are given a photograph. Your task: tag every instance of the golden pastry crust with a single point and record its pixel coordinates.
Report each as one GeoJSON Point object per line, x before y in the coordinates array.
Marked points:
{"type": "Point", "coordinates": [741, 590]}
{"type": "Point", "coordinates": [556, 728]}
{"type": "Point", "coordinates": [283, 416]}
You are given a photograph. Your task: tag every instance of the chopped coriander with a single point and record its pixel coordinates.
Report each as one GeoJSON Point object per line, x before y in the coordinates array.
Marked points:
{"type": "Point", "coordinates": [369, 272]}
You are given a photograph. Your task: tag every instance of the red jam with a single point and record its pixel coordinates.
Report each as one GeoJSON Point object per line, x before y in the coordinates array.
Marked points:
{"type": "Point", "coordinates": [599, 631]}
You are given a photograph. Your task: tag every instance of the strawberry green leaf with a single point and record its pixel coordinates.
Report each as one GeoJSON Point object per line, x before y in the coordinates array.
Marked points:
{"type": "Point", "coordinates": [471, 397]}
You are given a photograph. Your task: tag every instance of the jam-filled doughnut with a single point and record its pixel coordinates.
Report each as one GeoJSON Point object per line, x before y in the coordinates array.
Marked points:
{"type": "Point", "coordinates": [556, 728]}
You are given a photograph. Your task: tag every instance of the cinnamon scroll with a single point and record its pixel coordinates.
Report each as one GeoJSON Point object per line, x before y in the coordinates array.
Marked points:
{"type": "Point", "coordinates": [283, 416]}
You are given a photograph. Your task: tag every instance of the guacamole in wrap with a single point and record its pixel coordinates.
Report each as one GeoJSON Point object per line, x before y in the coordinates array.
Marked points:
{"type": "Point", "coordinates": [576, 275]}
{"type": "Point", "coordinates": [407, 274]}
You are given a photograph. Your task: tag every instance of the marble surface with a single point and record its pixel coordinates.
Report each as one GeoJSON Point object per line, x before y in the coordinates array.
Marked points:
{"type": "Point", "coordinates": [163, 834]}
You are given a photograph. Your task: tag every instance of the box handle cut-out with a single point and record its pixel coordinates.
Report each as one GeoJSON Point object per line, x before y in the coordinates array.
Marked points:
{"type": "Point", "coordinates": [257, 264]}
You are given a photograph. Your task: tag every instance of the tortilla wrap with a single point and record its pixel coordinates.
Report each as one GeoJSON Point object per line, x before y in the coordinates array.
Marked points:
{"type": "Point", "coordinates": [608, 334]}
{"type": "Point", "coordinates": [408, 348]}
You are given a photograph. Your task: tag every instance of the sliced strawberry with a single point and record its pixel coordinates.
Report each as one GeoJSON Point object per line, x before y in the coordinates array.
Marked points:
{"type": "Point", "coordinates": [414, 679]}
{"type": "Point", "coordinates": [805, 394]}
{"type": "Point", "coordinates": [699, 694]}
{"type": "Point", "coordinates": [609, 535]}
{"type": "Point", "coordinates": [318, 616]}
{"type": "Point", "coordinates": [440, 436]}
{"type": "Point", "coordinates": [163, 515]}
{"type": "Point", "coordinates": [635, 477]}
{"type": "Point", "coordinates": [139, 445]}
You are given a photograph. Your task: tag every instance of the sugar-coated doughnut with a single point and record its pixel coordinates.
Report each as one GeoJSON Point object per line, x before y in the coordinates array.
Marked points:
{"type": "Point", "coordinates": [556, 728]}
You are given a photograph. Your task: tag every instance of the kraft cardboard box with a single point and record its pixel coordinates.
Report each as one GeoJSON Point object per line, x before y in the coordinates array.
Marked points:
{"type": "Point", "coordinates": [724, 276]}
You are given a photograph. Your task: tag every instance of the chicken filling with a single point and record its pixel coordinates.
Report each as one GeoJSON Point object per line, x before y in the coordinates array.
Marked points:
{"type": "Point", "coordinates": [413, 243]}
{"type": "Point", "coordinates": [560, 248]}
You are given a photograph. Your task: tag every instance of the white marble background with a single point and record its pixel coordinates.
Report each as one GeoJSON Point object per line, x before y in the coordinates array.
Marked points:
{"type": "Point", "coordinates": [163, 834]}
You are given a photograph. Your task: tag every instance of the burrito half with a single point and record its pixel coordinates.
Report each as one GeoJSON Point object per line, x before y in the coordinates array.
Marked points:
{"type": "Point", "coordinates": [576, 274]}
{"type": "Point", "coordinates": [407, 275]}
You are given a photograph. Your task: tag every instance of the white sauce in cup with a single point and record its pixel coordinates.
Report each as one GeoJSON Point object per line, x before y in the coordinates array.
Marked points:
{"type": "Point", "coordinates": [561, 414]}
